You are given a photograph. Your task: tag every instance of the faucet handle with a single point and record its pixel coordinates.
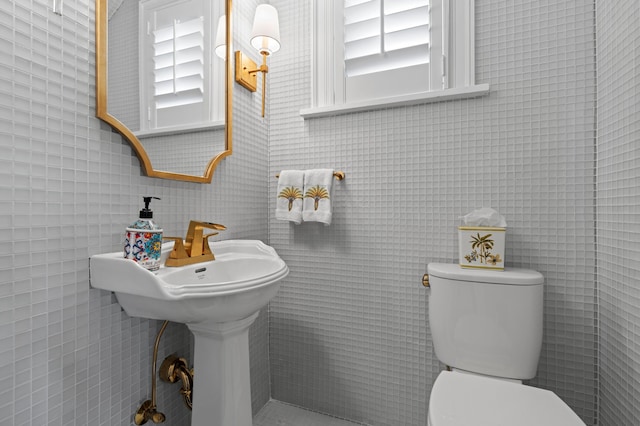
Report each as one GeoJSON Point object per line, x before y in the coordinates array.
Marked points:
{"type": "Point", "coordinates": [205, 244]}
{"type": "Point", "coordinates": [178, 251]}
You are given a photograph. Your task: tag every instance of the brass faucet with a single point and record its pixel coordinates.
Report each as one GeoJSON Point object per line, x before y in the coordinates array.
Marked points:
{"type": "Point", "coordinates": [194, 248]}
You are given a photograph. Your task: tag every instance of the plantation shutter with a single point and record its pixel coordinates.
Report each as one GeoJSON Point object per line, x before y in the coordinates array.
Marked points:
{"type": "Point", "coordinates": [371, 53]}
{"type": "Point", "coordinates": [179, 64]}
{"type": "Point", "coordinates": [383, 35]}
{"type": "Point", "coordinates": [387, 48]}
{"type": "Point", "coordinates": [178, 78]}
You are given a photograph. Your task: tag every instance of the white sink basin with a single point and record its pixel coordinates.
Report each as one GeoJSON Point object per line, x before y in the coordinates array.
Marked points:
{"type": "Point", "coordinates": [242, 279]}
{"type": "Point", "coordinates": [218, 300]}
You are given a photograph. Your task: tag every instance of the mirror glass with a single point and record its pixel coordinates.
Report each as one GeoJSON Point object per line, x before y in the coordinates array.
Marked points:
{"type": "Point", "coordinates": [161, 84]}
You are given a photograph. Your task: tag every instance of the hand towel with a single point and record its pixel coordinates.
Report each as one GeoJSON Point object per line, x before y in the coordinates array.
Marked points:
{"type": "Point", "coordinates": [289, 201]}
{"type": "Point", "coordinates": [317, 205]}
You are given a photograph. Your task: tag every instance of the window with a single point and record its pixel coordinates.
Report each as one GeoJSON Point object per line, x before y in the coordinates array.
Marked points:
{"type": "Point", "coordinates": [386, 46]}
{"type": "Point", "coordinates": [181, 82]}
{"type": "Point", "coordinates": [377, 52]}
{"type": "Point", "coordinates": [178, 64]}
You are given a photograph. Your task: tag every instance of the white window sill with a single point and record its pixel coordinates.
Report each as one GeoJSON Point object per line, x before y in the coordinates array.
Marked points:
{"type": "Point", "coordinates": [414, 99]}
{"type": "Point", "coordinates": [175, 130]}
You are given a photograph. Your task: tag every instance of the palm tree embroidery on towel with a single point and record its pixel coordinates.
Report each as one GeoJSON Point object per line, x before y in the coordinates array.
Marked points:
{"type": "Point", "coordinates": [317, 193]}
{"type": "Point", "coordinates": [291, 193]}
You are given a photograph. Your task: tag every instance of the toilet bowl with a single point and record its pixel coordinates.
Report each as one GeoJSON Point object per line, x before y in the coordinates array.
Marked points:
{"type": "Point", "coordinates": [487, 326]}
{"type": "Point", "coordinates": [459, 399]}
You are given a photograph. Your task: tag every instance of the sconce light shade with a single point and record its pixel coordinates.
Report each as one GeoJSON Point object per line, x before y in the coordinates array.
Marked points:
{"type": "Point", "coordinates": [221, 36]}
{"type": "Point", "coordinates": [265, 37]}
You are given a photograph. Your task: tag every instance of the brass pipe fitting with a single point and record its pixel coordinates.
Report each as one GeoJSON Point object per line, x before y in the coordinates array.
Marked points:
{"type": "Point", "coordinates": [173, 369]}
{"type": "Point", "coordinates": [425, 280]}
{"type": "Point", "coordinates": [148, 410]}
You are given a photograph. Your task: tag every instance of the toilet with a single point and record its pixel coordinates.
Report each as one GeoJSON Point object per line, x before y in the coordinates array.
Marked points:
{"type": "Point", "coordinates": [486, 327]}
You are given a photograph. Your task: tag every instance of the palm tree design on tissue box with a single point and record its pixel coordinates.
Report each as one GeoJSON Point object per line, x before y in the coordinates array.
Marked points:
{"type": "Point", "coordinates": [484, 244]}
{"type": "Point", "coordinates": [291, 193]}
{"type": "Point", "coordinates": [317, 193]}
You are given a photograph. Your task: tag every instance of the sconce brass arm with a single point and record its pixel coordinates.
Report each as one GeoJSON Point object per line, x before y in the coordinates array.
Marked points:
{"type": "Point", "coordinates": [246, 71]}
{"type": "Point", "coordinates": [264, 69]}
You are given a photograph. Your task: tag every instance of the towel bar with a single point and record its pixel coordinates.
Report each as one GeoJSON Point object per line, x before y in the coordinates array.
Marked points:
{"type": "Point", "coordinates": [338, 175]}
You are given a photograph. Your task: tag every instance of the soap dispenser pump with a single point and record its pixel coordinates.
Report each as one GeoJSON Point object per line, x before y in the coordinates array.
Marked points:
{"type": "Point", "coordinates": [143, 239]}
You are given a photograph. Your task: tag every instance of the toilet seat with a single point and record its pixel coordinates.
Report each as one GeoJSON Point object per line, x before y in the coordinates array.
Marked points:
{"type": "Point", "coordinates": [459, 399]}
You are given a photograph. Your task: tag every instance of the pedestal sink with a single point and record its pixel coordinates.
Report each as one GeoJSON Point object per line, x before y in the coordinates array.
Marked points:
{"type": "Point", "coordinates": [218, 300]}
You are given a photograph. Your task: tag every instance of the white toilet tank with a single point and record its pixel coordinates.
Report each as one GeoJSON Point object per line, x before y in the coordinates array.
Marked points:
{"type": "Point", "coordinates": [486, 322]}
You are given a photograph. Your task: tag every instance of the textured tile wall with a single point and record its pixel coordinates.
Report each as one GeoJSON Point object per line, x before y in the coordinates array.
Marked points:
{"type": "Point", "coordinates": [348, 333]}
{"type": "Point", "coordinates": [618, 207]}
{"type": "Point", "coordinates": [68, 187]}
{"type": "Point", "coordinates": [348, 330]}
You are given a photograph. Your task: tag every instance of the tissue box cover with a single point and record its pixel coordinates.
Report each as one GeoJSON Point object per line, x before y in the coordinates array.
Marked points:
{"type": "Point", "coordinates": [481, 247]}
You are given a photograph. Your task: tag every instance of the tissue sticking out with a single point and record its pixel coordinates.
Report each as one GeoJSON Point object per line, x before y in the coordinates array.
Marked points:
{"type": "Point", "coordinates": [484, 217]}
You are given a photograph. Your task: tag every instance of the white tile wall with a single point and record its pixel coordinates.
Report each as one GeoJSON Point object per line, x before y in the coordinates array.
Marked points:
{"type": "Point", "coordinates": [348, 329]}
{"type": "Point", "coordinates": [68, 187]}
{"type": "Point", "coordinates": [618, 206]}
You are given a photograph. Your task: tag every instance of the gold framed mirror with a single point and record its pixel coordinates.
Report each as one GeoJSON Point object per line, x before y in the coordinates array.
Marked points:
{"type": "Point", "coordinates": [159, 162]}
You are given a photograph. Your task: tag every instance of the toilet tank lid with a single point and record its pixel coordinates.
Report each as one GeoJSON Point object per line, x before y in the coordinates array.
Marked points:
{"type": "Point", "coordinates": [510, 276]}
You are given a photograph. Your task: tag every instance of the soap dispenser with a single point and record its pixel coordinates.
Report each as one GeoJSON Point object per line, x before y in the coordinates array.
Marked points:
{"type": "Point", "coordinates": [143, 239]}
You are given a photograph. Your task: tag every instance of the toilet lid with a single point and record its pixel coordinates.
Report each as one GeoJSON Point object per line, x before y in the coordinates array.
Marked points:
{"type": "Point", "coordinates": [459, 399]}
{"type": "Point", "coordinates": [510, 276]}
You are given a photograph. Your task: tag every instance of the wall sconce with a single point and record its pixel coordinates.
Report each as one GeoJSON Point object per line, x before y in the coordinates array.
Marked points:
{"type": "Point", "coordinates": [265, 38]}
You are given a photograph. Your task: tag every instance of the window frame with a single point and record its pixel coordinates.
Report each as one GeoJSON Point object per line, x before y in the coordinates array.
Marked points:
{"type": "Point", "coordinates": [458, 60]}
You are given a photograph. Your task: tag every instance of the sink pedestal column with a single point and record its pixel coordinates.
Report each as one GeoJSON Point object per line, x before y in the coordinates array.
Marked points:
{"type": "Point", "coordinates": [222, 388]}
